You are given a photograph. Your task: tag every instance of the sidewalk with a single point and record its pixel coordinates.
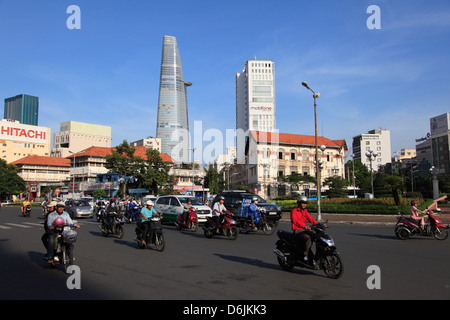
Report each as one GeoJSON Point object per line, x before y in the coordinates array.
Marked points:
{"type": "Point", "coordinates": [340, 218]}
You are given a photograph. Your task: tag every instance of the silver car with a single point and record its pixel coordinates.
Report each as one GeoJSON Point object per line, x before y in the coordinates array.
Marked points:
{"type": "Point", "coordinates": [79, 208]}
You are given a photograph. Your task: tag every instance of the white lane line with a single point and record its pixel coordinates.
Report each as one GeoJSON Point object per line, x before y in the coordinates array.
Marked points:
{"type": "Point", "coordinates": [4, 227]}
{"type": "Point", "coordinates": [17, 225]}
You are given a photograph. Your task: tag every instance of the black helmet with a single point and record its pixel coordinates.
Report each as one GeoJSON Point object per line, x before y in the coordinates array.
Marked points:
{"type": "Point", "coordinates": [302, 199]}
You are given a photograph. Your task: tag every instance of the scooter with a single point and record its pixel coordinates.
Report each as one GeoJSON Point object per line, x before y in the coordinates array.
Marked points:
{"type": "Point", "coordinates": [64, 244]}
{"type": "Point", "coordinates": [325, 258]}
{"type": "Point", "coordinates": [228, 227]}
{"type": "Point", "coordinates": [115, 227]}
{"type": "Point", "coordinates": [27, 211]}
{"type": "Point", "coordinates": [405, 228]}
{"type": "Point", "coordinates": [192, 222]}
{"type": "Point", "coordinates": [260, 223]}
{"type": "Point", "coordinates": [158, 237]}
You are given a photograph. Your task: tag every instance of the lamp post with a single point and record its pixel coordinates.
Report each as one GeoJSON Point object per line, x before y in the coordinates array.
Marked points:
{"type": "Point", "coordinates": [371, 155]}
{"type": "Point", "coordinates": [434, 172]}
{"type": "Point", "coordinates": [315, 96]}
{"type": "Point", "coordinates": [193, 150]}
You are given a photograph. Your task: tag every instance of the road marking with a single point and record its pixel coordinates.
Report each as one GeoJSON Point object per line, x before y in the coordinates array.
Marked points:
{"type": "Point", "coordinates": [4, 227]}
{"type": "Point", "coordinates": [18, 225]}
{"type": "Point", "coordinates": [34, 224]}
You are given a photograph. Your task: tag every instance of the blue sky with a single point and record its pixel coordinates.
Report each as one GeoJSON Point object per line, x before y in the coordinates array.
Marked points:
{"type": "Point", "coordinates": [395, 78]}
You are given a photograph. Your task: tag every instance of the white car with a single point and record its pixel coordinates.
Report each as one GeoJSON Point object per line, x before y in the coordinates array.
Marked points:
{"type": "Point", "coordinates": [171, 206]}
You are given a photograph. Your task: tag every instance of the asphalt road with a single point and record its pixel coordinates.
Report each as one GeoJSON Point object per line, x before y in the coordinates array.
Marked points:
{"type": "Point", "coordinates": [195, 268]}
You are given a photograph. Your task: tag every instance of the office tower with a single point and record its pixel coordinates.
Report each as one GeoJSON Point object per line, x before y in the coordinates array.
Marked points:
{"type": "Point", "coordinates": [255, 100]}
{"type": "Point", "coordinates": [377, 140]}
{"type": "Point", "coordinates": [172, 124]}
{"type": "Point", "coordinates": [23, 108]}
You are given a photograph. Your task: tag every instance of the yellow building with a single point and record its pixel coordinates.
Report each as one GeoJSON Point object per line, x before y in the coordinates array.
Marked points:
{"type": "Point", "coordinates": [19, 140]}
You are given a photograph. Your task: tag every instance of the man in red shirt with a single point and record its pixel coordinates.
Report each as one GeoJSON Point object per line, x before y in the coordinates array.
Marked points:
{"type": "Point", "coordinates": [299, 217]}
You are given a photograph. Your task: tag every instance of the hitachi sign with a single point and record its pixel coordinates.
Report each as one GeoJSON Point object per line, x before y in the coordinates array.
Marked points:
{"type": "Point", "coordinates": [22, 132]}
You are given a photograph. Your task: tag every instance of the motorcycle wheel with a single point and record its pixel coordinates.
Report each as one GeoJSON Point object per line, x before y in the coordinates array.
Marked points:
{"type": "Point", "coordinates": [402, 234]}
{"type": "Point", "coordinates": [194, 226]}
{"type": "Point", "coordinates": [333, 266]}
{"type": "Point", "coordinates": [208, 232]}
{"type": "Point", "coordinates": [119, 231]}
{"type": "Point", "coordinates": [160, 244]}
{"type": "Point", "coordinates": [178, 225]}
{"type": "Point", "coordinates": [268, 228]}
{"type": "Point", "coordinates": [286, 265]}
{"type": "Point", "coordinates": [232, 233]}
{"type": "Point", "coordinates": [440, 233]}
{"type": "Point", "coordinates": [67, 257]}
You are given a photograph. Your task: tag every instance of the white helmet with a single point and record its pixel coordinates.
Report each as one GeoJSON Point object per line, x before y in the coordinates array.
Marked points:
{"type": "Point", "coordinates": [149, 203]}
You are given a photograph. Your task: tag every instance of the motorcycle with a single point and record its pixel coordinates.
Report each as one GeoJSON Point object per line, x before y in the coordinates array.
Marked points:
{"type": "Point", "coordinates": [325, 257]}
{"type": "Point", "coordinates": [260, 223]}
{"type": "Point", "coordinates": [192, 222]}
{"type": "Point", "coordinates": [405, 228]}
{"type": "Point", "coordinates": [157, 238]}
{"type": "Point", "coordinates": [115, 227]}
{"type": "Point", "coordinates": [227, 227]}
{"type": "Point", "coordinates": [132, 214]}
{"type": "Point", "coordinates": [65, 237]}
{"type": "Point", "coordinates": [27, 211]}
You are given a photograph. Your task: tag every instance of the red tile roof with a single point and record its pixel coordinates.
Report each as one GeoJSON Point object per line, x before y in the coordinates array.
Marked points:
{"type": "Point", "coordinates": [101, 152]}
{"type": "Point", "coordinates": [289, 138]}
{"type": "Point", "coordinates": [43, 161]}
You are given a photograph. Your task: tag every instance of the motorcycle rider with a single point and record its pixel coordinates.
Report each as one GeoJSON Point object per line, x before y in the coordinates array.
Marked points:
{"type": "Point", "coordinates": [186, 210]}
{"type": "Point", "coordinates": [111, 211]}
{"type": "Point", "coordinates": [299, 217]}
{"type": "Point", "coordinates": [59, 212]}
{"type": "Point", "coordinates": [253, 211]}
{"type": "Point", "coordinates": [146, 213]}
{"type": "Point", "coordinates": [218, 211]}
{"type": "Point", "coordinates": [415, 215]}
{"type": "Point", "coordinates": [25, 204]}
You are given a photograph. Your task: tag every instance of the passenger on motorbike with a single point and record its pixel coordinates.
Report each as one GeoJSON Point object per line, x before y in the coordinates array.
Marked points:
{"type": "Point", "coordinates": [415, 215]}
{"type": "Point", "coordinates": [299, 217]}
{"type": "Point", "coordinates": [58, 213]}
{"type": "Point", "coordinates": [146, 213]}
{"type": "Point", "coordinates": [25, 204]}
{"type": "Point", "coordinates": [218, 211]}
{"type": "Point", "coordinates": [111, 210]}
{"type": "Point", "coordinates": [50, 208]}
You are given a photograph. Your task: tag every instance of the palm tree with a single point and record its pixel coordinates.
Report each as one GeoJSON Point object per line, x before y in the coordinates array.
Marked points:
{"type": "Point", "coordinates": [396, 186]}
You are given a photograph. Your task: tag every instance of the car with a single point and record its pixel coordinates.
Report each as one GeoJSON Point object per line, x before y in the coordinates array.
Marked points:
{"type": "Point", "coordinates": [6, 202]}
{"type": "Point", "coordinates": [78, 208]}
{"type": "Point", "coordinates": [170, 206]}
{"type": "Point", "coordinates": [235, 198]}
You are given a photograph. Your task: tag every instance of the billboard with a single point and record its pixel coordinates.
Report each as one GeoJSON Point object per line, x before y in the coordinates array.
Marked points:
{"type": "Point", "coordinates": [16, 131]}
{"type": "Point", "coordinates": [440, 124]}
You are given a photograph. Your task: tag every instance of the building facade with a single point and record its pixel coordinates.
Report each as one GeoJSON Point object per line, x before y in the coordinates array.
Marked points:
{"type": "Point", "coordinates": [440, 146]}
{"type": "Point", "coordinates": [377, 140]}
{"type": "Point", "coordinates": [19, 140]}
{"type": "Point", "coordinates": [272, 155]}
{"type": "Point", "coordinates": [255, 100]}
{"type": "Point", "coordinates": [172, 123]}
{"type": "Point", "coordinates": [76, 136]}
{"type": "Point", "coordinates": [149, 143]}
{"type": "Point", "coordinates": [23, 108]}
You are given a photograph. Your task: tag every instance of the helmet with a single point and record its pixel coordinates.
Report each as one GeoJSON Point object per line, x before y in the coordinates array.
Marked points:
{"type": "Point", "coordinates": [52, 204]}
{"type": "Point", "coordinates": [60, 204]}
{"type": "Point", "coordinates": [413, 202]}
{"type": "Point", "coordinates": [149, 203]}
{"type": "Point", "coordinates": [59, 222]}
{"type": "Point", "coordinates": [254, 199]}
{"type": "Point", "coordinates": [302, 199]}
{"type": "Point", "coordinates": [221, 198]}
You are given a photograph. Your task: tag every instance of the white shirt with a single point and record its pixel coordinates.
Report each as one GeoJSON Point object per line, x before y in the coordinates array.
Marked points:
{"type": "Point", "coordinates": [219, 207]}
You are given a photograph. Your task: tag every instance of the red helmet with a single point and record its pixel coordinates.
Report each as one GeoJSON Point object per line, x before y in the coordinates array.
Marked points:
{"type": "Point", "coordinates": [413, 202]}
{"type": "Point", "coordinates": [59, 222]}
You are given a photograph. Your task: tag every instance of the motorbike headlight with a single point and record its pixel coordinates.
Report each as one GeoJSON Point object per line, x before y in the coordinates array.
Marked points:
{"type": "Point", "coordinates": [329, 242]}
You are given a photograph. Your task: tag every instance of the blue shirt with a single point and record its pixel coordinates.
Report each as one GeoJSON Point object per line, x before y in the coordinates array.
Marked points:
{"type": "Point", "coordinates": [147, 213]}
{"type": "Point", "coordinates": [52, 217]}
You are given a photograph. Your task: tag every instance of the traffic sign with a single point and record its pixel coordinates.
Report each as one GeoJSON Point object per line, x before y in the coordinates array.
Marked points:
{"type": "Point", "coordinates": [57, 190]}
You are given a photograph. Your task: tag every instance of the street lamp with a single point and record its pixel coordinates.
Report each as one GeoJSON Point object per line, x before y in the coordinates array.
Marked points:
{"type": "Point", "coordinates": [371, 155]}
{"type": "Point", "coordinates": [193, 150]}
{"type": "Point", "coordinates": [434, 172]}
{"type": "Point", "coordinates": [315, 96]}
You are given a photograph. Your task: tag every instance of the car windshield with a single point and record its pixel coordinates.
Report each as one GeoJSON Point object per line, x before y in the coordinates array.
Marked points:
{"type": "Point", "coordinates": [251, 196]}
{"type": "Point", "coordinates": [80, 203]}
{"type": "Point", "coordinates": [194, 201]}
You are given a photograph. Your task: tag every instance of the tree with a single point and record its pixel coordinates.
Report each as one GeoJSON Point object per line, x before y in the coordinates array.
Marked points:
{"type": "Point", "coordinates": [154, 172]}
{"type": "Point", "coordinates": [123, 162]}
{"type": "Point", "coordinates": [295, 179]}
{"type": "Point", "coordinates": [98, 193]}
{"type": "Point", "coordinates": [10, 182]}
{"type": "Point", "coordinates": [337, 186]}
{"type": "Point", "coordinates": [211, 179]}
{"type": "Point", "coordinates": [395, 185]}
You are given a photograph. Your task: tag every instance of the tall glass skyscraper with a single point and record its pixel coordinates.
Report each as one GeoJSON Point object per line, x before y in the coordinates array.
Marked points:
{"type": "Point", "coordinates": [23, 108]}
{"type": "Point", "coordinates": [172, 124]}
